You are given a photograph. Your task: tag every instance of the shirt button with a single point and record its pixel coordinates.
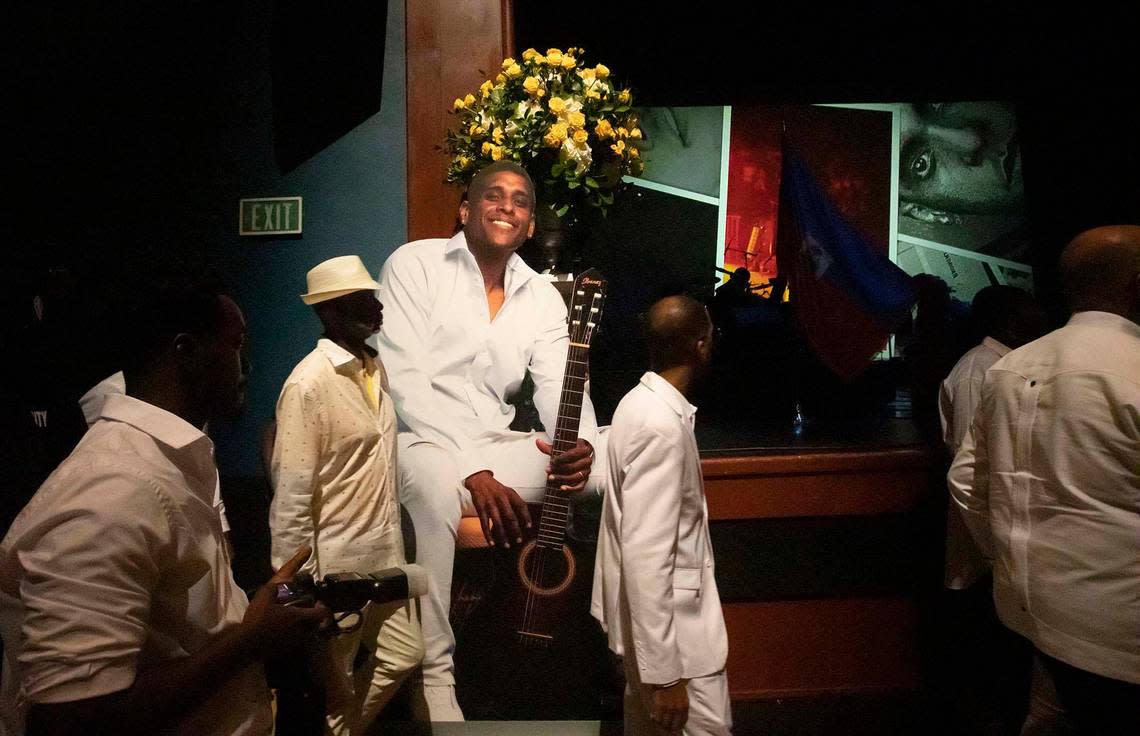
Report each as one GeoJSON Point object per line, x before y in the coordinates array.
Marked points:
{"type": "Point", "coordinates": [1033, 383]}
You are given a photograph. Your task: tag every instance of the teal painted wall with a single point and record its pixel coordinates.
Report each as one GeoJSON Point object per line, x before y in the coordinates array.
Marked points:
{"type": "Point", "coordinates": [355, 201]}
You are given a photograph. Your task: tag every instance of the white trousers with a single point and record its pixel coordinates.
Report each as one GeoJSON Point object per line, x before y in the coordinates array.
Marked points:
{"type": "Point", "coordinates": [391, 634]}
{"type": "Point", "coordinates": [710, 713]}
{"type": "Point", "coordinates": [436, 499]}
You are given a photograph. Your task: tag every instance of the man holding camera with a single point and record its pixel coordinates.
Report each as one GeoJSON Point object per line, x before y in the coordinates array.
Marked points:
{"type": "Point", "coordinates": [334, 480]}
{"type": "Point", "coordinates": [118, 608]}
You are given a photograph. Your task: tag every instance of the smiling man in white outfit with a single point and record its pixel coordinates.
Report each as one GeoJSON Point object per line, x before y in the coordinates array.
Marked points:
{"type": "Point", "coordinates": [465, 321]}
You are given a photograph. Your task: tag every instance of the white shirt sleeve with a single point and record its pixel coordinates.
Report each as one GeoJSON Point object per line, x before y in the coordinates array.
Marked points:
{"type": "Point", "coordinates": [547, 366]}
{"type": "Point", "coordinates": [969, 479]}
{"type": "Point", "coordinates": [293, 471]}
{"type": "Point", "coordinates": [403, 342]}
{"type": "Point", "coordinates": [87, 584]}
{"type": "Point", "coordinates": [651, 513]}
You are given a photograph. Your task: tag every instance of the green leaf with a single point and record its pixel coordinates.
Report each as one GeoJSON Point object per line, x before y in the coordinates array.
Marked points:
{"type": "Point", "coordinates": [561, 211]}
{"type": "Point", "coordinates": [557, 169]}
{"type": "Point", "coordinates": [573, 184]}
{"type": "Point", "coordinates": [591, 182]}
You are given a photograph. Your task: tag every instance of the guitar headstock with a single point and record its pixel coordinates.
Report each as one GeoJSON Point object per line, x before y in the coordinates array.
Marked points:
{"type": "Point", "coordinates": [586, 307]}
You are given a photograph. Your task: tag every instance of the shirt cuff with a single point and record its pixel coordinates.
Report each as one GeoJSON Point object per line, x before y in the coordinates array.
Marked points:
{"type": "Point", "coordinates": [68, 682]}
{"type": "Point", "coordinates": [469, 463]}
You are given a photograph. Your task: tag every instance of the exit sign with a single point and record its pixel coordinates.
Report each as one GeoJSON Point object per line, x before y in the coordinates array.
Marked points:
{"type": "Point", "coordinates": [270, 216]}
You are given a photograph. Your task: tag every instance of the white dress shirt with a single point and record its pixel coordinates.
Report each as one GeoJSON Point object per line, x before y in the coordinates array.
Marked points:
{"type": "Point", "coordinates": [91, 404]}
{"type": "Point", "coordinates": [452, 368]}
{"type": "Point", "coordinates": [334, 468]}
{"type": "Point", "coordinates": [958, 398]}
{"type": "Point", "coordinates": [1049, 479]}
{"type": "Point", "coordinates": [117, 565]}
{"type": "Point", "coordinates": [654, 582]}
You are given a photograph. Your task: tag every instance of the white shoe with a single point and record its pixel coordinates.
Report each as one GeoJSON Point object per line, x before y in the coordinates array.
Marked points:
{"type": "Point", "coordinates": [441, 703]}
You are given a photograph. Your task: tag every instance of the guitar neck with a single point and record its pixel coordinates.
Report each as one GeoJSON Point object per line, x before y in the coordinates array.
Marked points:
{"type": "Point", "coordinates": [556, 502]}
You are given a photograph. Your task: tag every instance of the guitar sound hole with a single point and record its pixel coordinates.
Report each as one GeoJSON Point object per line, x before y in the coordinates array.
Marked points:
{"type": "Point", "coordinates": [545, 571]}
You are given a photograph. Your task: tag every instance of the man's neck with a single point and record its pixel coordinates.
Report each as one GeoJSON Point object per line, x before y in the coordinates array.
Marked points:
{"type": "Point", "coordinates": [492, 264]}
{"type": "Point", "coordinates": [681, 377]}
{"type": "Point", "coordinates": [167, 395]}
{"type": "Point", "coordinates": [358, 349]}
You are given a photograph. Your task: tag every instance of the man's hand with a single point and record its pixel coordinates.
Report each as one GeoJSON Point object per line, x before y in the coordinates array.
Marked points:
{"type": "Point", "coordinates": [270, 625]}
{"type": "Point", "coordinates": [570, 469]}
{"type": "Point", "coordinates": [669, 707]}
{"type": "Point", "coordinates": [500, 509]}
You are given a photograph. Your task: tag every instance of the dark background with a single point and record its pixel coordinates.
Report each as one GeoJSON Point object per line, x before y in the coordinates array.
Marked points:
{"type": "Point", "coordinates": [1072, 73]}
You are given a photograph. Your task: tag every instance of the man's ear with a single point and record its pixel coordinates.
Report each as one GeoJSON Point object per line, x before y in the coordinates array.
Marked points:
{"type": "Point", "coordinates": [530, 228]}
{"type": "Point", "coordinates": [464, 212]}
{"type": "Point", "coordinates": [185, 345]}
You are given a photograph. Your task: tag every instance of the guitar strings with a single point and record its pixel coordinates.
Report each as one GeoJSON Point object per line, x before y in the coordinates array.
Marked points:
{"type": "Point", "coordinates": [572, 422]}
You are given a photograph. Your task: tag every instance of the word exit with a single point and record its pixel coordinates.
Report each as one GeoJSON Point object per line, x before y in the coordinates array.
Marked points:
{"type": "Point", "coordinates": [270, 216]}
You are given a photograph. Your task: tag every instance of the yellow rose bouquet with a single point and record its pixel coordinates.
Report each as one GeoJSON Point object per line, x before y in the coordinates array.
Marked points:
{"type": "Point", "coordinates": [567, 124]}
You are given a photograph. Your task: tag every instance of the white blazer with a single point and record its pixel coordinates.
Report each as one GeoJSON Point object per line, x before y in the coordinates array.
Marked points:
{"type": "Point", "coordinates": [654, 586]}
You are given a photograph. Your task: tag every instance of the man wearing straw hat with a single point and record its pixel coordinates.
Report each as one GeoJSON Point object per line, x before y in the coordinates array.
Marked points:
{"type": "Point", "coordinates": [334, 481]}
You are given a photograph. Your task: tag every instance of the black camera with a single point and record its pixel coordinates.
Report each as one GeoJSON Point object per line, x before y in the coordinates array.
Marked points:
{"type": "Point", "coordinates": [345, 592]}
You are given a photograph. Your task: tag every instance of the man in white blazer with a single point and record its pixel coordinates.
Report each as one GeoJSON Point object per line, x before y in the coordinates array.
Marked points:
{"type": "Point", "coordinates": [654, 589]}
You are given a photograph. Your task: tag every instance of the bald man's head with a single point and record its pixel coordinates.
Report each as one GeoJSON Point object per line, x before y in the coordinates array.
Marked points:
{"type": "Point", "coordinates": [1100, 270]}
{"type": "Point", "coordinates": [678, 332]}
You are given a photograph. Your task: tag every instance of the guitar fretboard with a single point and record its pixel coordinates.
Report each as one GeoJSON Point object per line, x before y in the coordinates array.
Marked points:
{"type": "Point", "coordinates": [556, 502]}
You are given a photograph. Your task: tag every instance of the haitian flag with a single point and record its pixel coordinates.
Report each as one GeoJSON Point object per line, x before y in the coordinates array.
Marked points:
{"type": "Point", "coordinates": [844, 290]}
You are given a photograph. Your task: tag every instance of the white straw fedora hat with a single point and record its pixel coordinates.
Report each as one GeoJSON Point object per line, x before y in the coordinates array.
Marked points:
{"type": "Point", "coordinates": [337, 277]}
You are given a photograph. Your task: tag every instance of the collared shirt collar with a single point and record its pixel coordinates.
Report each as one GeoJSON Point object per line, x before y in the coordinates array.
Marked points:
{"type": "Point", "coordinates": [337, 355]}
{"type": "Point", "coordinates": [518, 273]}
{"type": "Point", "coordinates": [169, 429]}
{"type": "Point", "coordinates": [673, 398]}
{"type": "Point", "coordinates": [1105, 319]}
{"type": "Point", "coordinates": [996, 346]}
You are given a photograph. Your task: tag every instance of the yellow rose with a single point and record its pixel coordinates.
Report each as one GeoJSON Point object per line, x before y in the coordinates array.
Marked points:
{"type": "Point", "coordinates": [624, 97]}
{"type": "Point", "coordinates": [568, 62]}
{"type": "Point", "coordinates": [635, 133]}
{"type": "Point", "coordinates": [469, 100]}
{"type": "Point", "coordinates": [617, 147]}
{"type": "Point", "coordinates": [500, 78]}
{"type": "Point", "coordinates": [586, 74]}
{"type": "Point", "coordinates": [475, 130]}
{"type": "Point", "coordinates": [486, 149]}
{"type": "Point", "coordinates": [604, 129]}
{"type": "Point", "coordinates": [581, 136]}
{"type": "Point", "coordinates": [463, 162]}
{"type": "Point", "coordinates": [509, 62]}
{"type": "Point", "coordinates": [622, 133]}
{"type": "Point", "coordinates": [458, 104]}
{"type": "Point", "coordinates": [552, 52]}
{"type": "Point", "coordinates": [529, 54]}
{"type": "Point", "coordinates": [530, 84]}
{"type": "Point", "coordinates": [485, 89]}
{"type": "Point", "coordinates": [577, 119]}
{"type": "Point", "coordinates": [593, 94]}
{"type": "Point", "coordinates": [633, 152]}
{"type": "Point", "coordinates": [602, 71]}
{"type": "Point", "coordinates": [554, 57]}
{"type": "Point", "coordinates": [496, 153]}
{"type": "Point", "coordinates": [555, 135]}
{"type": "Point", "coordinates": [514, 70]}
{"type": "Point", "coordinates": [497, 136]}
{"type": "Point", "coordinates": [539, 59]}
{"type": "Point", "coordinates": [540, 93]}
{"type": "Point", "coordinates": [557, 105]}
